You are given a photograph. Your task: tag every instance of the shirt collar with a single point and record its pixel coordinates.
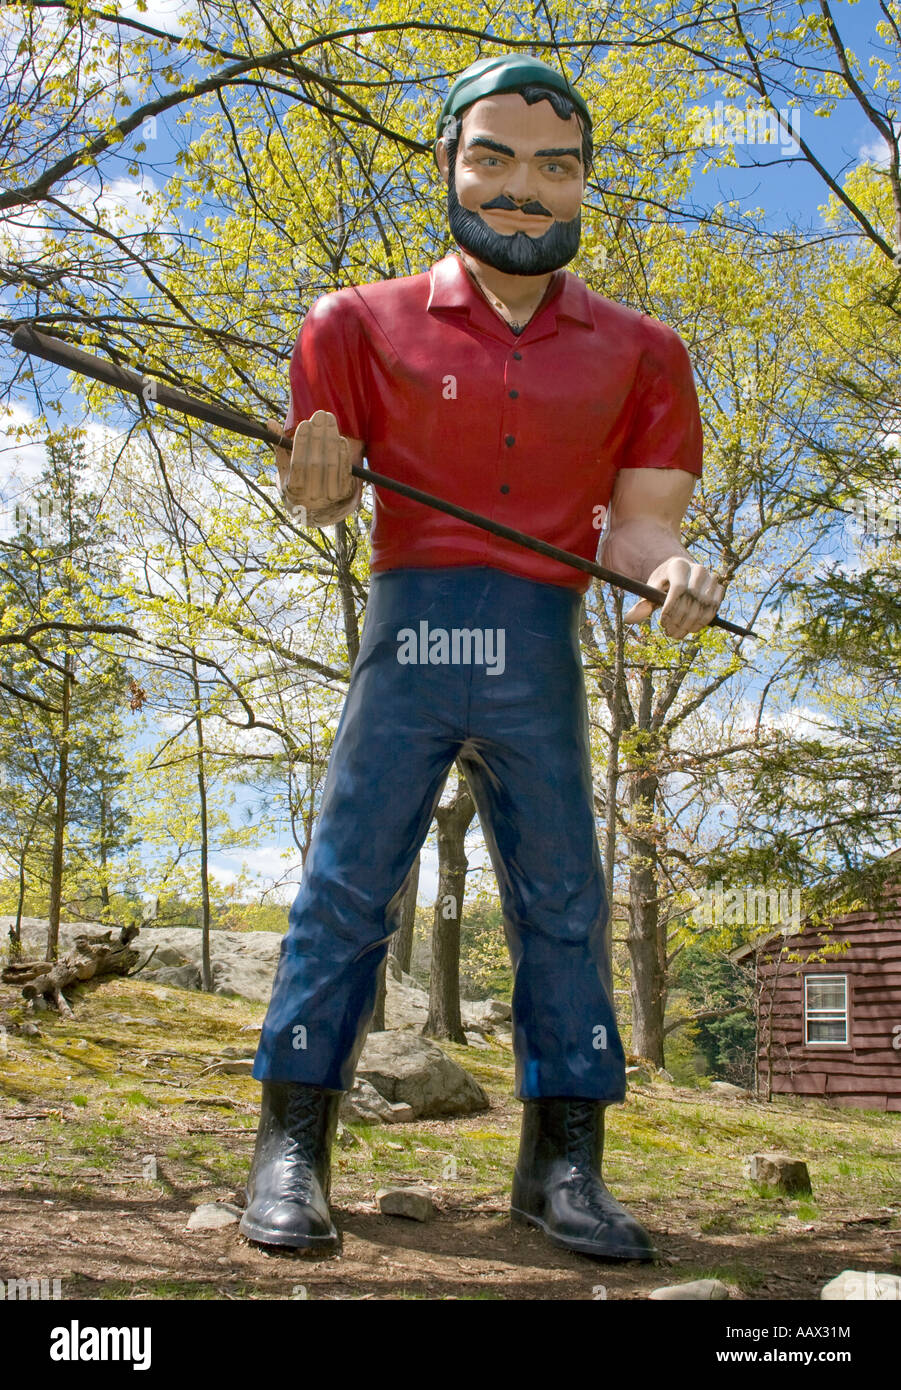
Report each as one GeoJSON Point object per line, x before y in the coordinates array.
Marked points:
{"type": "Point", "coordinates": [452, 288]}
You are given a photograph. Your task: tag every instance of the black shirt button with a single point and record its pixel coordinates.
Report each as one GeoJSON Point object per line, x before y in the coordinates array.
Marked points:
{"type": "Point", "coordinates": [517, 356]}
{"type": "Point", "coordinates": [513, 395]}
{"type": "Point", "coordinates": [511, 439]}
{"type": "Point", "coordinates": [505, 487]}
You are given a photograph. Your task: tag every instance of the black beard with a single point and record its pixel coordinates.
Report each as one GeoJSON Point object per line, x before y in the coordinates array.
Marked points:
{"type": "Point", "coordinates": [519, 254]}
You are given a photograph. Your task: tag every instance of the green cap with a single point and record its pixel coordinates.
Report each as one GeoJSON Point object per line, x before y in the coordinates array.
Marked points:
{"type": "Point", "coordinates": [508, 73]}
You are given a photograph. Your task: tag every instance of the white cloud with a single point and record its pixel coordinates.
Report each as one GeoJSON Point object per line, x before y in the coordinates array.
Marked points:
{"type": "Point", "coordinates": [271, 866]}
{"type": "Point", "coordinates": [874, 152]}
{"type": "Point", "coordinates": [267, 864]}
{"type": "Point", "coordinates": [122, 205]}
{"type": "Point", "coordinates": [22, 233]}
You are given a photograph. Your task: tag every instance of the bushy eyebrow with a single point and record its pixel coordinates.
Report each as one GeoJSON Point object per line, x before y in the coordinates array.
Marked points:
{"type": "Point", "coordinates": [505, 149]}
{"type": "Point", "coordinates": [490, 145]}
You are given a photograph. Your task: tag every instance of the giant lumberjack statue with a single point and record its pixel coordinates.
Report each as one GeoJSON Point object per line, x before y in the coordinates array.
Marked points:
{"type": "Point", "coordinates": [499, 381]}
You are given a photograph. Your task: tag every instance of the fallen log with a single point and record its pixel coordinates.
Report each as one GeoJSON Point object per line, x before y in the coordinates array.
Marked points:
{"type": "Point", "coordinates": [88, 957]}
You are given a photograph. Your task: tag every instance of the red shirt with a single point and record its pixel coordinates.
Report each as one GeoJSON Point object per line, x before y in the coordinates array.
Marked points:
{"type": "Point", "coordinates": [527, 430]}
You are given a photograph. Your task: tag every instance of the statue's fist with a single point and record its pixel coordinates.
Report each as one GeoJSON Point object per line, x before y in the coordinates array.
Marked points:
{"type": "Point", "coordinates": [693, 596]}
{"type": "Point", "coordinates": [314, 477]}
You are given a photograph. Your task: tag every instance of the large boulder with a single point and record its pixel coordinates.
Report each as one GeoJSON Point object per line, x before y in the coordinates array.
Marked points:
{"type": "Point", "coordinates": [244, 963]}
{"type": "Point", "coordinates": [404, 1067]}
{"type": "Point", "coordinates": [182, 976]}
{"type": "Point", "coordinates": [407, 1006]}
{"type": "Point", "coordinates": [406, 1003]}
{"type": "Point", "coordinates": [244, 974]}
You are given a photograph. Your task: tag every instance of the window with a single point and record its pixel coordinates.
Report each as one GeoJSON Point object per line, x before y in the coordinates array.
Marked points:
{"type": "Point", "coordinates": [825, 1008]}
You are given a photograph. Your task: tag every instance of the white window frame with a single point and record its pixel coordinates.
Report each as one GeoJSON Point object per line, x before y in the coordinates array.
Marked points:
{"type": "Point", "coordinates": [825, 1015]}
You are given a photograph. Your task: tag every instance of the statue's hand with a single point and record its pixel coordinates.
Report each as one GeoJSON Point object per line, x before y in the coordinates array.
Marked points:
{"type": "Point", "coordinates": [693, 596]}
{"type": "Point", "coordinates": [315, 478]}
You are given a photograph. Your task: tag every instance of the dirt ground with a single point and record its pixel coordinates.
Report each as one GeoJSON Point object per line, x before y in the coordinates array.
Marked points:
{"type": "Point", "coordinates": [78, 1204]}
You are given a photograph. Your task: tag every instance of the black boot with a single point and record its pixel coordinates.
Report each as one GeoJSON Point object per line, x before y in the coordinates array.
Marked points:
{"type": "Point", "coordinates": [557, 1182]}
{"type": "Point", "coordinates": [290, 1176]}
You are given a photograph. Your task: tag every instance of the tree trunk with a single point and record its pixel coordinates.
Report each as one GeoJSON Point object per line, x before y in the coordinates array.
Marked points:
{"type": "Point", "coordinates": [345, 588]}
{"type": "Point", "coordinates": [453, 821]}
{"type": "Point", "coordinates": [377, 1024]}
{"type": "Point", "coordinates": [648, 964]}
{"type": "Point", "coordinates": [401, 947]}
{"type": "Point", "coordinates": [15, 931]}
{"type": "Point", "coordinates": [104, 881]}
{"type": "Point", "coordinates": [405, 912]}
{"type": "Point", "coordinates": [206, 965]}
{"type": "Point", "coordinates": [59, 817]}
{"type": "Point", "coordinates": [616, 706]}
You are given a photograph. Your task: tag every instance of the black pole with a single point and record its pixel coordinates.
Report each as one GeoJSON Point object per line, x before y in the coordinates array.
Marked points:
{"type": "Point", "coordinates": [145, 385]}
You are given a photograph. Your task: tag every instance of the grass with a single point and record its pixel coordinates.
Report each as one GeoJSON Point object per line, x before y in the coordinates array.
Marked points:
{"type": "Point", "coordinates": [117, 1098]}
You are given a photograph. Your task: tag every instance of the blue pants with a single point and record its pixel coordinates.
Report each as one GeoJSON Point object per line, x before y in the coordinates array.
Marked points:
{"type": "Point", "coordinates": [519, 724]}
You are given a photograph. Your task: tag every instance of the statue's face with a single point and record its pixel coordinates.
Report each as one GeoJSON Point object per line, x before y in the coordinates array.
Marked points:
{"type": "Point", "coordinates": [515, 192]}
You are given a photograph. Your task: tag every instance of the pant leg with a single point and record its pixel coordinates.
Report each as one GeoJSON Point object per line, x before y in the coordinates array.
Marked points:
{"type": "Point", "coordinates": [398, 736]}
{"type": "Point", "coordinates": [528, 763]}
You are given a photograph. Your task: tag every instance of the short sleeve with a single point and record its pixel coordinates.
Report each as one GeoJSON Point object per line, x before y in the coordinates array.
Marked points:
{"type": "Point", "coordinates": [666, 429]}
{"type": "Point", "coordinates": [329, 369]}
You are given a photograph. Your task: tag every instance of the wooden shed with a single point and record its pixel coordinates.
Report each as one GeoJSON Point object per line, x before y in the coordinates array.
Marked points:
{"type": "Point", "coordinates": [829, 1008]}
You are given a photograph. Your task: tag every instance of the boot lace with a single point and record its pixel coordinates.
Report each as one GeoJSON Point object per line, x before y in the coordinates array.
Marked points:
{"type": "Point", "coordinates": [302, 1108]}
{"type": "Point", "coordinates": [581, 1133]}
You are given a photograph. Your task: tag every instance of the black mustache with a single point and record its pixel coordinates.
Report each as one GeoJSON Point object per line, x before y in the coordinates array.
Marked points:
{"type": "Point", "coordinates": [505, 205]}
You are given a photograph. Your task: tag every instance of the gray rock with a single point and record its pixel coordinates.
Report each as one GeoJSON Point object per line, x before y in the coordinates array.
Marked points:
{"type": "Point", "coordinates": [182, 976]}
{"type": "Point", "coordinates": [209, 1216]}
{"type": "Point", "coordinates": [779, 1170]}
{"type": "Point", "coordinates": [638, 1076]}
{"type": "Point", "coordinates": [364, 1103]}
{"type": "Point", "coordinates": [406, 1004]}
{"type": "Point", "coordinates": [413, 1202]}
{"type": "Point", "coordinates": [247, 976]}
{"type": "Point", "coordinates": [243, 963]}
{"type": "Point", "coordinates": [697, 1290]}
{"type": "Point", "coordinates": [476, 1040]}
{"type": "Point", "coordinates": [166, 955]}
{"type": "Point", "coordinates": [405, 1067]}
{"type": "Point", "coordinates": [862, 1287]}
{"type": "Point", "coordinates": [664, 1075]}
{"type": "Point", "coordinates": [486, 1011]}
{"type": "Point", "coordinates": [725, 1088]}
